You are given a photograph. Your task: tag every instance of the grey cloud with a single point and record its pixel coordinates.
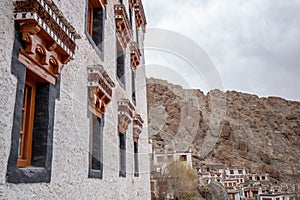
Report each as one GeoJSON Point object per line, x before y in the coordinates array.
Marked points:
{"type": "Point", "coordinates": [254, 44]}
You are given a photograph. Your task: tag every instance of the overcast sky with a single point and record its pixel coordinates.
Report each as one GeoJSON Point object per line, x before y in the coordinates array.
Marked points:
{"type": "Point", "coordinates": [254, 45]}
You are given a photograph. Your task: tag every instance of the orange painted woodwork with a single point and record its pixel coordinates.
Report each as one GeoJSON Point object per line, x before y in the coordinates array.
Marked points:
{"type": "Point", "coordinates": [100, 92]}
{"type": "Point", "coordinates": [90, 19]}
{"type": "Point", "coordinates": [123, 27]}
{"type": "Point", "coordinates": [91, 5]}
{"type": "Point", "coordinates": [137, 127]}
{"type": "Point", "coordinates": [42, 55]}
{"type": "Point", "coordinates": [126, 113]}
{"type": "Point", "coordinates": [25, 144]}
{"type": "Point", "coordinates": [140, 18]}
{"type": "Point", "coordinates": [135, 55]}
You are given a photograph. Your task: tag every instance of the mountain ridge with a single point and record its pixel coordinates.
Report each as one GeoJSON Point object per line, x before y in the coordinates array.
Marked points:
{"type": "Point", "coordinates": [234, 128]}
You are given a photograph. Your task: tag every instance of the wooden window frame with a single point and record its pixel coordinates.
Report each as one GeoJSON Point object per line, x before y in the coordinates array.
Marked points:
{"type": "Point", "coordinates": [25, 144]}
{"type": "Point", "coordinates": [90, 18]}
{"type": "Point", "coordinates": [91, 6]}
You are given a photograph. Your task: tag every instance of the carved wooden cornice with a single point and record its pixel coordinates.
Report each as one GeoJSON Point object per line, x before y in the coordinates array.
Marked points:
{"type": "Point", "coordinates": [135, 54]}
{"type": "Point", "coordinates": [123, 27]}
{"type": "Point", "coordinates": [140, 17]}
{"type": "Point", "coordinates": [126, 114]}
{"type": "Point", "coordinates": [49, 18]}
{"type": "Point", "coordinates": [137, 127]}
{"type": "Point", "coordinates": [48, 36]}
{"type": "Point", "coordinates": [43, 56]}
{"type": "Point", "coordinates": [101, 87]}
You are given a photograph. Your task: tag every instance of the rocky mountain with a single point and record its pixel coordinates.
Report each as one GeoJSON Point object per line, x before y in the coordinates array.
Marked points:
{"type": "Point", "coordinates": [234, 128]}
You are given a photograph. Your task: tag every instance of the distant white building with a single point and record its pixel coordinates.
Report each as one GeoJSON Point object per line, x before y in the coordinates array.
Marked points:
{"type": "Point", "coordinates": [272, 197]}
{"type": "Point", "coordinates": [240, 184]}
{"type": "Point", "coordinates": [162, 158]}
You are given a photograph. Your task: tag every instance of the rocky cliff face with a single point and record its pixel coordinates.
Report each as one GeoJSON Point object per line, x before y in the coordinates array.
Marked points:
{"type": "Point", "coordinates": [234, 128]}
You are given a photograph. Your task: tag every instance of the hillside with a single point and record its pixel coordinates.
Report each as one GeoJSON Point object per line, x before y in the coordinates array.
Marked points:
{"type": "Point", "coordinates": [234, 128]}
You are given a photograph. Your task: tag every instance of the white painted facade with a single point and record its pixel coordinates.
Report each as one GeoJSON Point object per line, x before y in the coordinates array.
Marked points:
{"type": "Point", "coordinates": [69, 177]}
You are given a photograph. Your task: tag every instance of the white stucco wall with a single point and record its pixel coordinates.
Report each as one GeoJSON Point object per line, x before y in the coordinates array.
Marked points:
{"type": "Point", "coordinates": [69, 178]}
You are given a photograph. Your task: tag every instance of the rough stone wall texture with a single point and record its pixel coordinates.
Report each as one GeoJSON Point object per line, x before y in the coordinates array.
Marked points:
{"type": "Point", "coordinates": [69, 178]}
{"type": "Point", "coordinates": [230, 127]}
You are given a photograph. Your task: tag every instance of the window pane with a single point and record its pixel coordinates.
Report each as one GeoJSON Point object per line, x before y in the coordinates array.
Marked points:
{"type": "Point", "coordinates": [136, 160]}
{"type": "Point", "coordinates": [122, 155]}
{"type": "Point", "coordinates": [96, 162]}
{"type": "Point", "coordinates": [121, 66]}
{"type": "Point", "coordinates": [98, 27]}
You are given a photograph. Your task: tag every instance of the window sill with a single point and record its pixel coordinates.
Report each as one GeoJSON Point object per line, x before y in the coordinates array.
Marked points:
{"type": "Point", "coordinates": [122, 174]}
{"type": "Point", "coordinates": [95, 174]}
{"type": "Point", "coordinates": [29, 175]}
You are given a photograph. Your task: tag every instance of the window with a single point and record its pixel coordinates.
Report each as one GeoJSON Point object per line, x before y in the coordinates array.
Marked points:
{"type": "Point", "coordinates": [137, 37]}
{"type": "Point", "coordinates": [121, 67]}
{"type": "Point", "coordinates": [99, 94]}
{"type": "Point", "coordinates": [133, 77]}
{"type": "Point", "coordinates": [183, 158]}
{"type": "Point", "coordinates": [152, 186]}
{"type": "Point", "coordinates": [96, 147]}
{"type": "Point", "coordinates": [136, 159]}
{"type": "Point", "coordinates": [231, 172]}
{"type": "Point", "coordinates": [95, 22]}
{"type": "Point", "coordinates": [122, 138]}
{"type": "Point", "coordinates": [25, 141]}
{"type": "Point", "coordinates": [240, 172]}
{"type": "Point", "coordinates": [130, 16]}
{"type": "Point", "coordinates": [33, 131]}
{"type": "Point", "coordinates": [36, 62]}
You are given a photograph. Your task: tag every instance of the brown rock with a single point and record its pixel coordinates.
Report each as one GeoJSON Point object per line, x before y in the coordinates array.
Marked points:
{"type": "Point", "coordinates": [251, 131]}
{"type": "Point", "coordinates": [225, 129]}
{"type": "Point", "coordinates": [264, 157]}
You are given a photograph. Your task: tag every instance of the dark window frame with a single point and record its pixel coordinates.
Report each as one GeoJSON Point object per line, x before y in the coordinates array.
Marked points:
{"type": "Point", "coordinates": [122, 148]}
{"type": "Point", "coordinates": [96, 147]}
{"type": "Point", "coordinates": [136, 158]}
{"type": "Point", "coordinates": [133, 86]}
